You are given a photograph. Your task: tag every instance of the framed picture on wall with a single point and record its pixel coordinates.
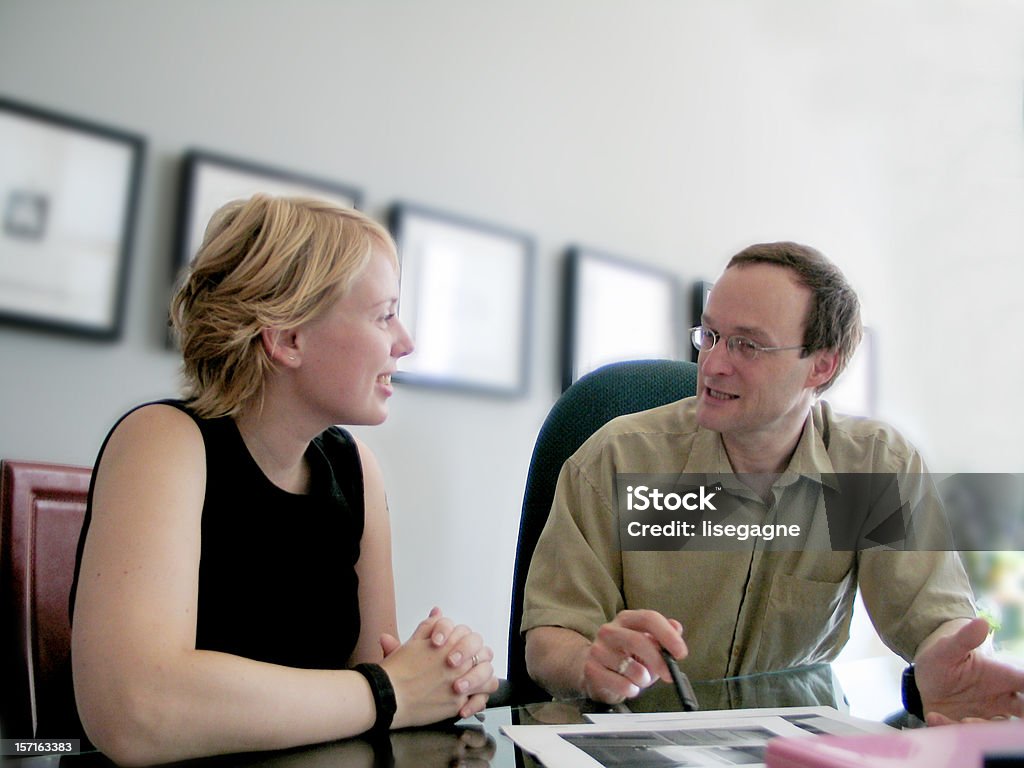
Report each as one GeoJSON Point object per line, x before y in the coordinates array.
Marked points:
{"type": "Point", "coordinates": [699, 300]}
{"type": "Point", "coordinates": [855, 392]}
{"type": "Point", "coordinates": [616, 310]}
{"type": "Point", "coordinates": [68, 195]}
{"type": "Point", "coordinates": [210, 180]}
{"type": "Point", "coordinates": [466, 298]}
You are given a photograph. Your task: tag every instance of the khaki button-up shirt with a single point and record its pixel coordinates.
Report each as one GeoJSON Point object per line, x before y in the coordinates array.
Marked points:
{"type": "Point", "coordinates": [761, 605]}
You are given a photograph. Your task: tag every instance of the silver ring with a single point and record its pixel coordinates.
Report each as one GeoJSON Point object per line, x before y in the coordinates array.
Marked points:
{"type": "Point", "coordinates": [475, 660]}
{"type": "Point", "coordinates": [624, 665]}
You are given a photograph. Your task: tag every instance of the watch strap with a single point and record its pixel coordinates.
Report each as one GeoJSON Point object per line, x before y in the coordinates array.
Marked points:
{"type": "Point", "coordinates": [383, 696]}
{"type": "Point", "coordinates": [911, 695]}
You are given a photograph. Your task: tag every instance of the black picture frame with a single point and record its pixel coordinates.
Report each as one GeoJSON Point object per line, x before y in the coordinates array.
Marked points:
{"type": "Point", "coordinates": [69, 192]}
{"type": "Point", "coordinates": [698, 300]}
{"type": "Point", "coordinates": [466, 300]}
{"type": "Point", "coordinates": [210, 179]}
{"type": "Point", "coordinates": [616, 309]}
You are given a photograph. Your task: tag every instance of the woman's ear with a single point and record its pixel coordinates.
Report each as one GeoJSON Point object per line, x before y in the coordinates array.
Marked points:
{"type": "Point", "coordinates": [281, 346]}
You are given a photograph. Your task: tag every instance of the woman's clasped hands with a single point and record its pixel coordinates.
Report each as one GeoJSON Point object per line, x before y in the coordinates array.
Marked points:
{"type": "Point", "coordinates": [442, 671]}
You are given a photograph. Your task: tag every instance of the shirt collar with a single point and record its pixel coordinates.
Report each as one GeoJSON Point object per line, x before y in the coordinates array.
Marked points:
{"type": "Point", "coordinates": [810, 459]}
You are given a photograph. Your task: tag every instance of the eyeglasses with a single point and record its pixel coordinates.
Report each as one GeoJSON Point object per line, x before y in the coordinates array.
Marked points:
{"type": "Point", "coordinates": [704, 340]}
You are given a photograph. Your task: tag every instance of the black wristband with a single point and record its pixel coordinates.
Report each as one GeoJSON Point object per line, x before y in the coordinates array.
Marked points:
{"type": "Point", "coordinates": [911, 695]}
{"type": "Point", "coordinates": [383, 696]}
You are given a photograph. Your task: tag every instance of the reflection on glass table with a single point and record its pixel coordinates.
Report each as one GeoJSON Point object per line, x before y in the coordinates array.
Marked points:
{"type": "Point", "coordinates": [474, 743]}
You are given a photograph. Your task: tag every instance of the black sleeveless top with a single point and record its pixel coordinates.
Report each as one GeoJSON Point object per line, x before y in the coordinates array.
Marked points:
{"type": "Point", "coordinates": [277, 580]}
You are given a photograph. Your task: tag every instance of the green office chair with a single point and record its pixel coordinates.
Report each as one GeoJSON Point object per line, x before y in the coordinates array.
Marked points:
{"type": "Point", "coordinates": [592, 401]}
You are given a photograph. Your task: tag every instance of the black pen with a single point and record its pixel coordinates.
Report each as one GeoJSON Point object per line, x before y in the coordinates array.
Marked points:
{"type": "Point", "coordinates": [686, 695]}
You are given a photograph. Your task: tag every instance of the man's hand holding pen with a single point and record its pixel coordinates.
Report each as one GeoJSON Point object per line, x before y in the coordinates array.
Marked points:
{"type": "Point", "coordinates": [626, 655]}
{"type": "Point", "coordinates": [687, 698]}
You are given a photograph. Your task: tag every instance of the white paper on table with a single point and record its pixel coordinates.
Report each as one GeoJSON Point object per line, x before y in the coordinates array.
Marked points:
{"type": "Point", "coordinates": [615, 743]}
{"type": "Point", "coordinates": [814, 720]}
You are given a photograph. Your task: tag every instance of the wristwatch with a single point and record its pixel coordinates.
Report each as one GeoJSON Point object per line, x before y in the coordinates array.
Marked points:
{"type": "Point", "coordinates": [911, 695]}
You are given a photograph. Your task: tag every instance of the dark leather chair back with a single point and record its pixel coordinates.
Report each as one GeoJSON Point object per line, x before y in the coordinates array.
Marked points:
{"type": "Point", "coordinates": [595, 399]}
{"type": "Point", "coordinates": [42, 507]}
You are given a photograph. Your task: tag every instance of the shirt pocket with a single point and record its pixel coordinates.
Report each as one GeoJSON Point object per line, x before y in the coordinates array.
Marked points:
{"type": "Point", "coordinates": [805, 621]}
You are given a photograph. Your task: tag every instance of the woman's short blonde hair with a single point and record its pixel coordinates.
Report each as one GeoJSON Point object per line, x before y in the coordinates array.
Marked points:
{"type": "Point", "coordinates": [265, 262]}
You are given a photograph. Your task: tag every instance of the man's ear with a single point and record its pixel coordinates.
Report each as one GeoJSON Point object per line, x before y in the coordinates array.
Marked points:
{"type": "Point", "coordinates": [823, 366]}
{"type": "Point", "coordinates": [281, 346]}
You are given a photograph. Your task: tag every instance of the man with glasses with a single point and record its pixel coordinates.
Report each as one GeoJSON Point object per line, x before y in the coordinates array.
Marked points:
{"type": "Point", "coordinates": [780, 325]}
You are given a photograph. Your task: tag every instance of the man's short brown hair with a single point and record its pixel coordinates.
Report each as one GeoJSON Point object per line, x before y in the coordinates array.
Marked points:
{"type": "Point", "coordinates": [833, 319]}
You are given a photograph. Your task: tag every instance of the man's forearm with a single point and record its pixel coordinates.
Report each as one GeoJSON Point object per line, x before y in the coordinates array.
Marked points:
{"type": "Point", "coordinates": [555, 657]}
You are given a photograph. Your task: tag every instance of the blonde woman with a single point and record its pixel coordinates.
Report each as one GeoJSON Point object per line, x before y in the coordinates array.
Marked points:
{"type": "Point", "coordinates": [235, 587]}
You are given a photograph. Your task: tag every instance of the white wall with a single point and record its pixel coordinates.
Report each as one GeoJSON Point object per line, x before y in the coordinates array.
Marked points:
{"type": "Point", "coordinates": [886, 132]}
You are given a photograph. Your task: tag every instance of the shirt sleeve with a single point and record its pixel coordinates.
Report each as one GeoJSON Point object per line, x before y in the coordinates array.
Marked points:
{"type": "Point", "coordinates": [575, 577]}
{"type": "Point", "coordinates": [910, 593]}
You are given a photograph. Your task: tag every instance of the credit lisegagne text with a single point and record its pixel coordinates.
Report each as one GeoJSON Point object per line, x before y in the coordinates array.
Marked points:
{"type": "Point", "coordinates": [740, 531]}
{"type": "Point", "coordinates": [641, 498]}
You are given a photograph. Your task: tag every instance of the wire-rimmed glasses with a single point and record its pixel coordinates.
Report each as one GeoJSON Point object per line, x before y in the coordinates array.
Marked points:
{"type": "Point", "coordinates": [704, 340]}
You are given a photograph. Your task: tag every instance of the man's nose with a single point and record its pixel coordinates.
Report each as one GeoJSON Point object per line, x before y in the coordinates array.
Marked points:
{"type": "Point", "coordinates": [717, 360]}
